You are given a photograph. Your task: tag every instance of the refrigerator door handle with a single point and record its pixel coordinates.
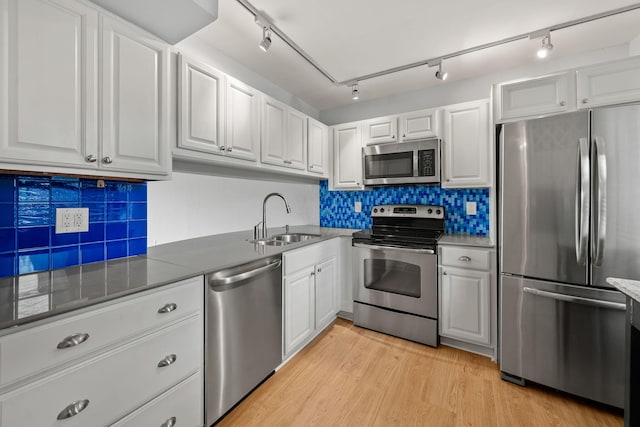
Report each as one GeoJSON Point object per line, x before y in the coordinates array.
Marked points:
{"type": "Point", "coordinates": [600, 206]}
{"type": "Point", "coordinates": [582, 202]}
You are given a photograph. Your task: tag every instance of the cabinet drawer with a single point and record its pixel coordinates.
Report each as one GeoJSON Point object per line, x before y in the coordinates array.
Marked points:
{"type": "Point", "coordinates": [35, 350]}
{"type": "Point", "coordinates": [478, 259]}
{"type": "Point", "coordinates": [181, 404]}
{"type": "Point", "coordinates": [112, 384]}
{"type": "Point", "coordinates": [304, 257]}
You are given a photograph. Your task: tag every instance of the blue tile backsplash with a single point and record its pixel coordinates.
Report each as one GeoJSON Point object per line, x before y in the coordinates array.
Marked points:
{"type": "Point", "coordinates": [28, 241]}
{"type": "Point", "coordinates": [336, 207]}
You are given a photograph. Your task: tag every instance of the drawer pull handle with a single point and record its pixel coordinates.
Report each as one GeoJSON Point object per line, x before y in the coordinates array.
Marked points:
{"type": "Point", "coordinates": [73, 340]}
{"type": "Point", "coordinates": [169, 423]}
{"type": "Point", "coordinates": [464, 258]}
{"type": "Point", "coordinates": [168, 308]}
{"type": "Point", "coordinates": [73, 409]}
{"type": "Point", "coordinates": [166, 361]}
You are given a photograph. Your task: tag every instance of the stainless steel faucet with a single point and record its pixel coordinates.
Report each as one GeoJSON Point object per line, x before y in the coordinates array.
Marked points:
{"type": "Point", "coordinates": [264, 215]}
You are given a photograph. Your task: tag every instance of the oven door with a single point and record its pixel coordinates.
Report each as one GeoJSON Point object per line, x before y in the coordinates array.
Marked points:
{"type": "Point", "coordinates": [400, 279]}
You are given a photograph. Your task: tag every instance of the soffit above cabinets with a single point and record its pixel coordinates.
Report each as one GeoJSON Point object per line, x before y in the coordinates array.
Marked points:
{"type": "Point", "coordinates": [171, 20]}
{"type": "Point", "coordinates": [357, 37]}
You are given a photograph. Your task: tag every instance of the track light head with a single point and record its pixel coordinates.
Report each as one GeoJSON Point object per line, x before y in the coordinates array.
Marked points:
{"type": "Point", "coordinates": [439, 74]}
{"type": "Point", "coordinates": [265, 44]}
{"type": "Point", "coordinates": [355, 93]}
{"type": "Point", "coordinates": [546, 47]}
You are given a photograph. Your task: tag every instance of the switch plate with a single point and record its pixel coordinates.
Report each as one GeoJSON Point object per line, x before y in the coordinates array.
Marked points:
{"type": "Point", "coordinates": [72, 220]}
{"type": "Point", "coordinates": [357, 206]}
{"type": "Point", "coordinates": [472, 208]}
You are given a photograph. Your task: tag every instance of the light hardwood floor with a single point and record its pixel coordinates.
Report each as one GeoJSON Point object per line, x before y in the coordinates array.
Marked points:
{"type": "Point", "coordinates": [351, 376]}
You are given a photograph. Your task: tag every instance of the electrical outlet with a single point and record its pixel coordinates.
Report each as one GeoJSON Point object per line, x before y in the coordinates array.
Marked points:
{"type": "Point", "coordinates": [471, 208]}
{"type": "Point", "coordinates": [357, 206]}
{"type": "Point", "coordinates": [72, 220]}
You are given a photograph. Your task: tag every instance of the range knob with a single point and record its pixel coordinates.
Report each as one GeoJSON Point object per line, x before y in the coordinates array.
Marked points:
{"type": "Point", "coordinates": [438, 212]}
{"type": "Point", "coordinates": [381, 210]}
{"type": "Point", "coordinates": [429, 211]}
{"type": "Point", "coordinates": [375, 210]}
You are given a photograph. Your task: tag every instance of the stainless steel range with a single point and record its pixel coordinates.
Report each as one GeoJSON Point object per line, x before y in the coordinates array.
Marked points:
{"type": "Point", "coordinates": [396, 288]}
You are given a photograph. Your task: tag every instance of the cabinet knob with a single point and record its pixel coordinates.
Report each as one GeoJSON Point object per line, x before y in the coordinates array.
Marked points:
{"type": "Point", "coordinates": [73, 340]}
{"type": "Point", "coordinates": [313, 273]}
{"type": "Point", "coordinates": [448, 180]}
{"type": "Point", "coordinates": [73, 409]}
{"type": "Point", "coordinates": [393, 137]}
{"type": "Point", "coordinates": [91, 158]}
{"type": "Point", "coordinates": [404, 135]}
{"type": "Point", "coordinates": [169, 423]}
{"type": "Point", "coordinates": [168, 360]}
{"type": "Point", "coordinates": [358, 184]}
{"type": "Point", "coordinates": [310, 166]}
{"type": "Point", "coordinates": [562, 103]}
{"type": "Point", "coordinates": [585, 100]}
{"type": "Point", "coordinates": [444, 273]}
{"type": "Point", "coordinates": [464, 258]}
{"type": "Point", "coordinates": [168, 308]}
{"type": "Point", "coordinates": [319, 270]}
{"type": "Point", "coordinates": [223, 148]}
{"type": "Point", "coordinates": [228, 149]}
{"type": "Point", "coordinates": [107, 160]}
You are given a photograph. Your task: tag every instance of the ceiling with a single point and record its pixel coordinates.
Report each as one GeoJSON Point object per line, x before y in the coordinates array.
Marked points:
{"type": "Point", "coordinates": [351, 38]}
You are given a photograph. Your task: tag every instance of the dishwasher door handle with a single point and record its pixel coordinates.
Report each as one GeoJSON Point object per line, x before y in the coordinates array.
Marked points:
{"type": "Point", "coordinates": [228, 280]}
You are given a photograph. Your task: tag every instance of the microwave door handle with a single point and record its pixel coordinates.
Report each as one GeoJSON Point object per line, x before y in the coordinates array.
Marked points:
{"type": "Point", "coordinates": [415, 163]}
{"type": "Point", "coordinates": [600, 206]}
{"type": "Point", "coordinates": [582, 202]}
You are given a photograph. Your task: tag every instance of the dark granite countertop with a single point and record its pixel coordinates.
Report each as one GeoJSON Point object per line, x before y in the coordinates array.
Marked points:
{"type": "Point", "coordinates": [34, 297]}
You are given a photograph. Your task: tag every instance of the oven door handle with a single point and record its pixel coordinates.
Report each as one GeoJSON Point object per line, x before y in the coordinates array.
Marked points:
{"type": "Point", "coordinates": [395, 248]}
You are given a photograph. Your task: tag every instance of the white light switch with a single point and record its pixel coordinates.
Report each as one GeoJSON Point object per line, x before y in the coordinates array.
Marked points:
{"type": "Point", "coordinates": [471, 208]}
{"type": "Point", "coordinates": [357, 206]}
{"type": "Point", "coordinates": [72, 220]}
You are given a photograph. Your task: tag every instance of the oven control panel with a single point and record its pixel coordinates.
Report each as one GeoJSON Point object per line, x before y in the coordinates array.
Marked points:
{"type": "Point", "coordinates": [404, 211]}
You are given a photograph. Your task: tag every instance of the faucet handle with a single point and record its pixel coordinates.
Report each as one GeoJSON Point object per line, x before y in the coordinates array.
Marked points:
{"type": "Point", "coordinates": [286, 228]}
{"type": "Point", "coordinates": [256, 231]}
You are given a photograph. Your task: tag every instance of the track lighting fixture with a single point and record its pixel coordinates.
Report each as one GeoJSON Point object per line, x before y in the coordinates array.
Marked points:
{"type": "Point", "coordinates": [355, 93]}
{"type": "Point", "coordinates": [266, 39]}
{"type": "Point", "coordinates": [546, 46]}
{"type": "Point", "coordinates": [440, 75]}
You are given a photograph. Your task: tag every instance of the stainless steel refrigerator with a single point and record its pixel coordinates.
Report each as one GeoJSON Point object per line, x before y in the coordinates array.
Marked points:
{"type": "Point", "coordinates": [569, 199]}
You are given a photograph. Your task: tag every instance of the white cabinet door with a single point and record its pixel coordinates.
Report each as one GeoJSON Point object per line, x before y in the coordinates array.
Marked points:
{"type": "Point", "coordinates": [134, 100]}
{"type": "Point", "coordinates": [465, 307]}
{"type": "Point", "coordinates": [420, 124]}
{"type": "Point", "coordinates": [466, 147]}
{"type": "Point", "coordinates": [326, 292]}
{"type": "Point", "coordinates": [347, 157]}
{"type": "Point", "coordinates": [201, 106]}
{"type": "Point", "coordinates": [609, 84]}
{"type": "Point", "coordinates": [382, 129]}
{"type": "Point", "coordinates": [299, 314]}
{"type": "Point", "coordinates": [544, 95]}
{"type": "Point", "coordinates": [274, 131]}
{"type": "Point", "coordinates": [296, 149]}
{"type": "Point", "coordinates": [318, 143]}
{"type": "Point", "coordinates": [243, 120]}
{"type": "Point", "coordinates": [48, 82]}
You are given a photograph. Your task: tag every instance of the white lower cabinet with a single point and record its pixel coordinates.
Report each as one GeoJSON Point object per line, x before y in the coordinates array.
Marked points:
{"type": "Point", "coordinates": [310, 292]}
{"type": "Point", "coordinates": [121, 376]}
{"type": "Point", "coordinates": [468, 298]}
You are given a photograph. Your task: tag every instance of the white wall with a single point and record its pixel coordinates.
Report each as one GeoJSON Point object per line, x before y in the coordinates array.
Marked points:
{"type": "Point", "coordinates": [193, 205]}
{"type": "Point", "coordinates": [463, 90]}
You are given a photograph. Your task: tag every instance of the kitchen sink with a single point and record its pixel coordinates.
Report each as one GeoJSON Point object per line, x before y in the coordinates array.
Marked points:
{"type": "Point", "coordinates": [293, 237]}
{"type": "Point", "coordinates": [284, 239]}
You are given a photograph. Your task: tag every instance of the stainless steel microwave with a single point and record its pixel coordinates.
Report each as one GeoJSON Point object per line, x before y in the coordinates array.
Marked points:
{"type": "Point", "coordinates": [415, 162]}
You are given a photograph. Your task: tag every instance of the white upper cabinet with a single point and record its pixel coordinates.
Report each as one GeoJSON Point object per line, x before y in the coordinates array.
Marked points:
{"type": "Point", "coordinates": [318, 144]}
{"type": "Point", "coordinates": [52, 103]}
{"type": "Point", "coordinates": [297, 140]}
{"type": "Point", "coordinates": [48, 90]}
{"type": "Point", "coordinates": [201, 107]}
{"type": "Point", "coordinates": [420, 124]}
{"type": "Point", "coordinates": [284, 135]}
{"type": "Point", "coordinates": [544, 95]}
{"type": "Point", "coordinates": [381, 129]}
{"type": "Point", "coordinates": [243, 120]}
{"type": "Point", "coordinates": [466, 149]}
{"type": "Point", "coordinates": [134, 108]}
{"type": "Point", "coordinates": [608, 84]}
{"type": "Point", "coordinates": [347, 156]}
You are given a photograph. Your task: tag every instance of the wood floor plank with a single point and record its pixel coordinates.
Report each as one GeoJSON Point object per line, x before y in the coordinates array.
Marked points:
{"type": "Point", "coordinates": [351, 376]}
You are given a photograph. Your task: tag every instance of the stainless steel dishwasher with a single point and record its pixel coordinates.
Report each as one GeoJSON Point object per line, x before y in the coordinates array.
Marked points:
{"type": "Point", "coordinates": [243, 331]}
